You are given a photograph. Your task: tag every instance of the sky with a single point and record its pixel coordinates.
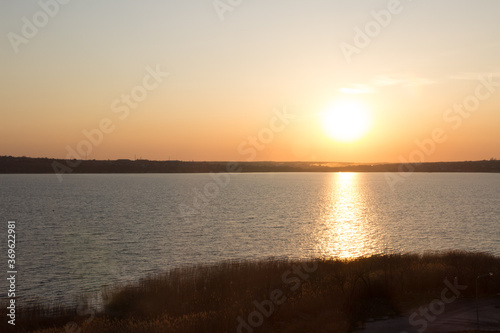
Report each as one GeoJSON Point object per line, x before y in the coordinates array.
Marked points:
{"type": "Point", "coordinates": [255, 80]}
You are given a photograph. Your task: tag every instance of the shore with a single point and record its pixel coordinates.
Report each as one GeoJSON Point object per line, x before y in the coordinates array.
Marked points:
{"type": "Point", "coordinates": [27, 165]}
{"type": "Point", "coordinates": [322, 295]}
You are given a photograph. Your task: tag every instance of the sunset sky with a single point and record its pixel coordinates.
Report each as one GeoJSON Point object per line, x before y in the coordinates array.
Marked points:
{"type": "Point", "coordinates": [251, 79]}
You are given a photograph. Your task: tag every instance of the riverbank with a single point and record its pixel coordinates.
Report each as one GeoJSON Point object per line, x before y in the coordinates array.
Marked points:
{"type": "Point", "coordinates": [27, 165]}
{"type": "Point", "coordinates": [323, 295]}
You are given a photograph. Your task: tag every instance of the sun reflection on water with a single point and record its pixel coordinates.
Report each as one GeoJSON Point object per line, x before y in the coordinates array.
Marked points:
{"type": "Point", "coordinates": [344, 232]}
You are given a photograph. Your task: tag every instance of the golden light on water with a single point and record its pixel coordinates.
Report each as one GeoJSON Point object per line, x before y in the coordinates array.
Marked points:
{"type": "Point", "coordinates": [344, 232]}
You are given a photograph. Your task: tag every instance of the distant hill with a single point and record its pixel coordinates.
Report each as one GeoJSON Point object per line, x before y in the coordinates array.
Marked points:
{"type": "Point", "coordinates": [9, 164]}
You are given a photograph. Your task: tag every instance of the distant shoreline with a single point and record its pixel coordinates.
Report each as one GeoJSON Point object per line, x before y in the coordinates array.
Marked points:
{"type": "Point", "coordinates": [28, 165]}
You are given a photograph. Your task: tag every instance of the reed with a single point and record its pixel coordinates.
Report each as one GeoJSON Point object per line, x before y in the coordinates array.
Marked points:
{"type": "Point", "coordinates": [336, 296]}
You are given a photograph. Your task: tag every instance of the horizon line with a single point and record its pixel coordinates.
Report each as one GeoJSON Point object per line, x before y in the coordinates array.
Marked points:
{"type": "Point", "coordinates": [236, 161]}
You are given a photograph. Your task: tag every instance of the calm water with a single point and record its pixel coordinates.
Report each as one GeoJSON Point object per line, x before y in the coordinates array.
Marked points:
{"type": "Point", "coordinates": [95, 230]}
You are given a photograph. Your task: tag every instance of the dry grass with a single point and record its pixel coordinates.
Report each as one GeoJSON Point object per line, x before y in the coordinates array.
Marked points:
{"type": "Point", "coordinates": [475, 331]}
{"type": "Point", "coordinates": [333, 298]}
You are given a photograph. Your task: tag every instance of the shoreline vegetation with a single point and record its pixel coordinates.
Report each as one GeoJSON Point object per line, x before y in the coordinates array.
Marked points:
{"type": "Point", "coordinates": [274, 295]}
{"type": "Point", "coordinates": [23, 165]}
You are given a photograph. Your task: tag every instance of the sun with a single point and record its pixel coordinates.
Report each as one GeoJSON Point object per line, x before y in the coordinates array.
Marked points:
{"type": "Point", "coordinates": [346, 121]}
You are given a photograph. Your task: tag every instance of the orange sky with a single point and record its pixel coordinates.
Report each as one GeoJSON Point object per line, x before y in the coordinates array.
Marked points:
{"type": "Point", "coordinates": [190, 81]}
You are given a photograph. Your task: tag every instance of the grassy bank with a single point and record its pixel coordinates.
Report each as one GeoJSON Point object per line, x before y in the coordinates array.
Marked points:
{"type": "Point", "coordinates": [327, 295]}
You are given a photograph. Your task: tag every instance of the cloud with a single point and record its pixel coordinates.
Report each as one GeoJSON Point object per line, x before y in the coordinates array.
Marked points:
{"type": "Point", "coordinates": [384, 81]}
{"type": "Point", "coordinates": [474, 76]}
{"type": "Point", "coordinates": [356, 89]}
{"type": "Point", "coordinates": [387, 80]}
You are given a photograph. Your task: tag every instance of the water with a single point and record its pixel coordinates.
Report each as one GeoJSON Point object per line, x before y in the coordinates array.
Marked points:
{"type": "Point", "coordinates": [93, 230]}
